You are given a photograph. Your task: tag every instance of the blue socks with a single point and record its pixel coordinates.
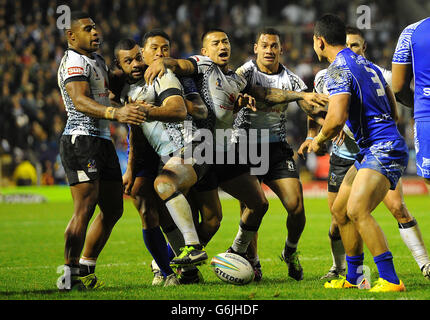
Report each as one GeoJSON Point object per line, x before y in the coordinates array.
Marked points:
{"type": "Point", "coordinates": [354, 262]}
{"type": "Point", "coordinates": [385, 265]}
{"type": "Point", "coordinates": [157, 247]}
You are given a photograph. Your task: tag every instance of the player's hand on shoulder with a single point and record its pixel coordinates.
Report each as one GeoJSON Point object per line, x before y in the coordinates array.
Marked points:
{"type": "Point", "coordinates": [156, 69]}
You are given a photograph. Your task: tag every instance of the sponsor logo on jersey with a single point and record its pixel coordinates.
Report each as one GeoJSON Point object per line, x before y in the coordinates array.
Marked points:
{"type": "Point", "coordinates": [75, 70]}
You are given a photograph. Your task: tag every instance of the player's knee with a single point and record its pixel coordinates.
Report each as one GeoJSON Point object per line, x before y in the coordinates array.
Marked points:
{"type": "Point", "coordinates": [164, 187]}
{"type": "Point", "coordinates": [295, 206]}
{"type": "Point", "coordinates": [339, 217]}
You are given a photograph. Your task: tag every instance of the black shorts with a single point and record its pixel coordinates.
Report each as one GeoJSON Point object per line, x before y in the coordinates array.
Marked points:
{"type": "Point", "coordinates": [88, 158]}
{"type": "Point", "coordinates": [281, 162]}
{"type": "Point", "coordinates": [218, 173]}
{"type": "Point", "coordinates": [338, 169]}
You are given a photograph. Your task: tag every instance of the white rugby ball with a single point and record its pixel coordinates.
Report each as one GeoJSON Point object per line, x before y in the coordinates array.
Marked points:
{"type": "Point", "coordinates": [232, 268]}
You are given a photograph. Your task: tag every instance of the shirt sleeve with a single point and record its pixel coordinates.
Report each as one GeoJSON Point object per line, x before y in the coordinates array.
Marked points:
{"type": "Point", "coordinates": [201, 63]}
{"type": "Point", "coordinates": [189, 86]}
{"type": "Point", "coordinates": [246, 70]}
{"type": "Point", "coordinates": [168, 85]}
{"type": "Point", "coordinates": [403, 52]}
{"type": "Point", "coordinates": [76, 68]}
{"type": "Point", "coordinates": [297, 84]}
{"type": "Point", "coordinates": [338, 79]}
{"type": "Point", "coordinates": [319, 81]}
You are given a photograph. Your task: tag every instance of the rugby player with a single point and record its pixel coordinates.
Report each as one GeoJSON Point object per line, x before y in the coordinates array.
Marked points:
{"type": "Point", "coordinates": [87, 152]}
{"type": "Point", "coordinates": [143, 165]}
{"type": "Point", "coordinates": [410, 61]}
{"type": "Point", "coordinates": [361, 98]}
{"type": "Point", "coordinates": [220, 88]}
{"type": "Point", "coordinates": [168, 134]}
{"type": "Point", "coordinates": [342, 157]}
{"type": "Point", "coordinates": [282, 176]}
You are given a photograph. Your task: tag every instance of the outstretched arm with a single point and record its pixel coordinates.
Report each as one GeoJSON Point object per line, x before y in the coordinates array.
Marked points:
{"type": "Point", "coordinates": [180, 67]}
{"type": "Point", "coordinates": [312, 103]}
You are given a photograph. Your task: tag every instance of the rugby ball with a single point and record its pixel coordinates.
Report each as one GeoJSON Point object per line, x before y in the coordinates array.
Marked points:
{"type": "Point", "coordinates": [232, 268]}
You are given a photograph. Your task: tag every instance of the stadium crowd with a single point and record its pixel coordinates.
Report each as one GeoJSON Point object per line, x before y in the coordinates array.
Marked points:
{"type": "Point", "coordinates": [32, 114]}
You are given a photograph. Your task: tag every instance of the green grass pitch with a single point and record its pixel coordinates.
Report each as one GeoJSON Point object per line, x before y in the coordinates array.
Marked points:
{"type": "Point", "coordinates": [31, 249]}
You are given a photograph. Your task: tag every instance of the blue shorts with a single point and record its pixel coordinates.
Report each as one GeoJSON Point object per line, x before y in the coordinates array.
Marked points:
{"type": "Point", "coordinates": [422, 148]}
{"type": "Point", "coordinates": [387, 157]}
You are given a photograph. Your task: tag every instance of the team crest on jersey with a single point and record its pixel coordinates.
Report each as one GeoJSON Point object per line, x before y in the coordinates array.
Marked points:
{"type": "Point", "coordinates": [290, 165]}
{"type": "Point", "coordinates": [332, 179]}
{"type": "Point", "coordinates": [218, 84]}
{"type": "Point", "coordinates": [92, 166]}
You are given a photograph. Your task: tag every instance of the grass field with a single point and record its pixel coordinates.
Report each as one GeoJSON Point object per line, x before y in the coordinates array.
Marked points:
{"type": "Point", "coordinates": [31, 249]}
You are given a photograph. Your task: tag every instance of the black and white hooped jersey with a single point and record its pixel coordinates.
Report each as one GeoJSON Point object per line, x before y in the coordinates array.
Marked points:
{"type": "Point", "coordinates": [275, 118]}
{"type": "Point", "coordinates": [78, 67]}
{"type": "Point", "coordinates": [219, 91]}
{"type": "Point", "coordinates": [164, 137]}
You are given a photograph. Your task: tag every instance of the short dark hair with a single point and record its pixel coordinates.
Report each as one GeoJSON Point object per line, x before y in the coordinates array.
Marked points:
{"type": "Point", "coordinates": [268, 30]}
{"type": "Point", "coordinates": [332, 28]}
{"type": "Point", "coordinates": [154, 33]}
{"type": "Point", "coordinates": [209, 31]}
{"type": "Point", "coordinates": [124, 44]}
{"type": "Point", "coordinates": [354, 30]}
{"type": "Point", "coordinates": [77, 15]}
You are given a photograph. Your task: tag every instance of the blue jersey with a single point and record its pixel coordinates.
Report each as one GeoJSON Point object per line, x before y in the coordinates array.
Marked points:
{"type": "Point", "coordinates": [413, 47]}
{"type": "Point", "coordinates": [370, 118]}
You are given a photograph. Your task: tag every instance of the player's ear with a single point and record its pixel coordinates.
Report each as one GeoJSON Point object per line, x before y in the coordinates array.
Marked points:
{"type": "Point", "coordinates": [70, 35]}
{"type": "Point", "coordinates": [364, 46]}
{"type": "Point", "coordinates": [203, 51]}
{"type": "Point", "coordinates": [255, 48]}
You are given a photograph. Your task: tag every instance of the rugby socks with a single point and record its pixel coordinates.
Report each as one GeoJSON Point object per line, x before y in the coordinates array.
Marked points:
{"type": "Point", "coordinates": [87, 266]}
{"type": "Point", "coordinates": [171, 254]}
{"type": "Point", "coordinates": [337, 252]}
{"type": "Point", "coordinates": [411, 235]}
{"type": "Point", "coordinates": [182, 215]}
{"type": "Point", "coordinates": [289, 248]}
{"type": "Point", "coordinates": [354, 270]}
{"type": "Point", "coordinates": [176, 240]}
{"type": "Point", "coordinates": [243, 237]}
{"type": "Point", "coordinates": [385, 265]}
{"type": "Point", "coordinates": [157, 247]}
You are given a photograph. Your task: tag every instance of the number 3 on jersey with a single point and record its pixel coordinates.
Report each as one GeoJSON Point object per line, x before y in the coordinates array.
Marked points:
{"type": "Point", "coordinates": [381, 90]}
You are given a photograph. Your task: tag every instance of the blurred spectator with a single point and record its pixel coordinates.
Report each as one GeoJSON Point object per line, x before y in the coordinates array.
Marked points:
{"type": "Point", "coordinates": [32, 114]}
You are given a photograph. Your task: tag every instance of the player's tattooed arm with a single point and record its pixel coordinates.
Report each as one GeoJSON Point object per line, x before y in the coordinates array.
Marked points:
{"type": "Point", "coordinates": [79, 91]}
{"type": "Point", "coordinates": [196, 107]}
{"type": "Point", "coordinates": [313, 104]}
{"type": "Point", "coordinates": [180, 67]}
